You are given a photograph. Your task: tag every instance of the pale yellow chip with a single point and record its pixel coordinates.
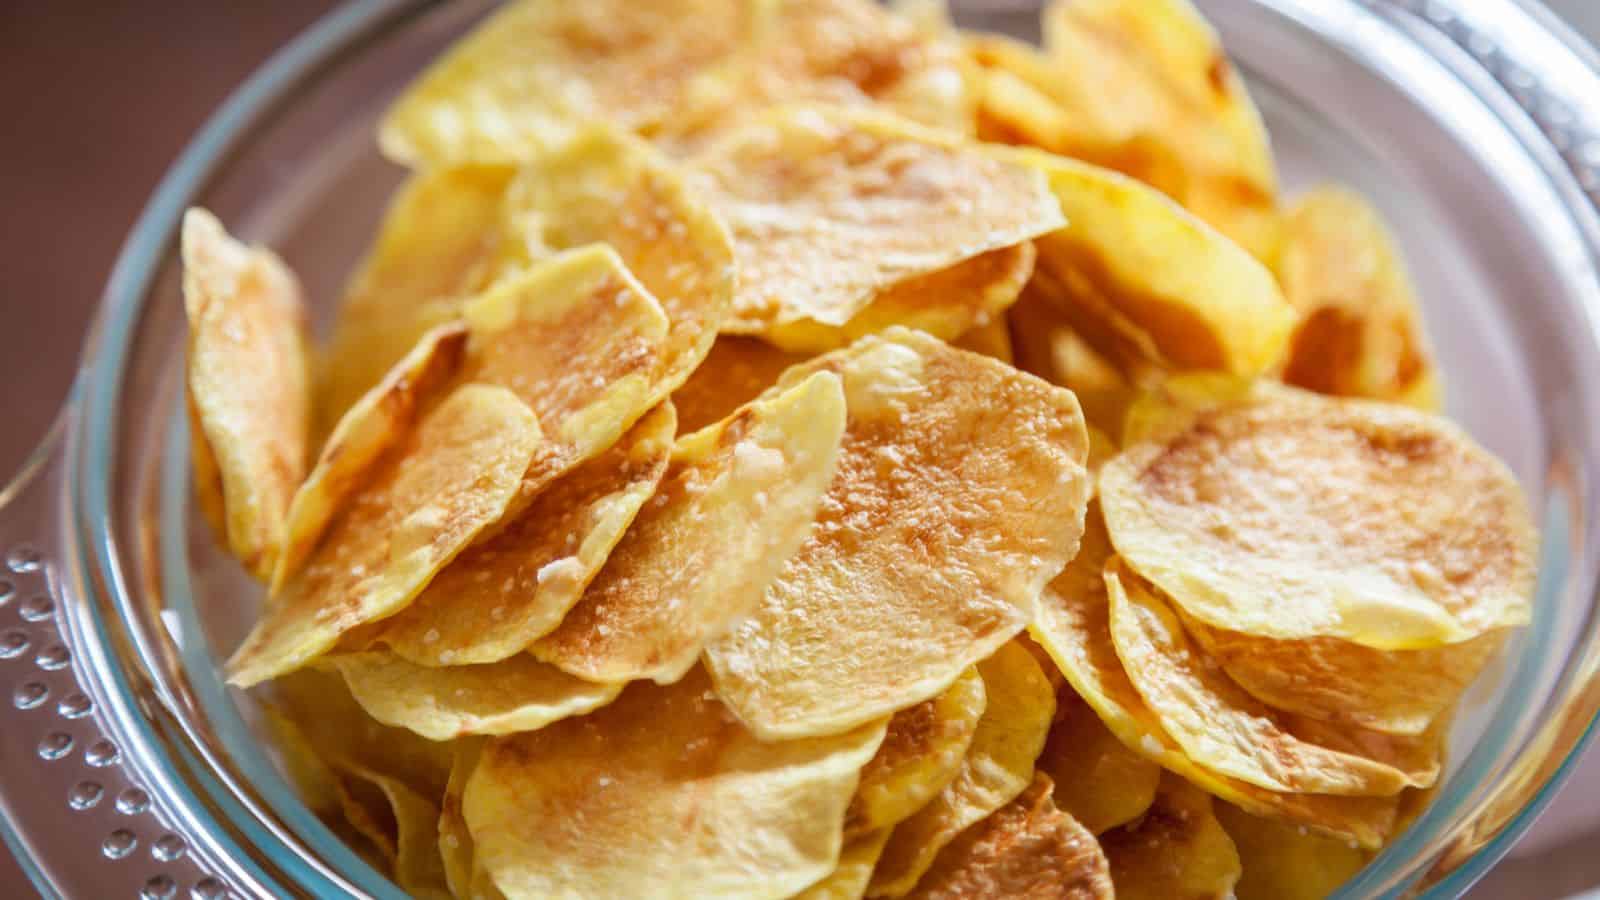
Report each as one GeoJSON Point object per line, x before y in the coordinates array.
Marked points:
{"type": "Point", "coordinates": [1177, 849]}
{"type": "Point", "coordinates": [248, 388]}
{"type": "Point", "coordinates": [416, 865]}
{"type": "Point", "coordinates": [307, 770]}
{"type": "Point", "coordinates": [1283, 862]}
{"type": "Point", "coordinates": [736, 371]}
{"type": "Point", "coordinates": [452, 476]}
{"type": "Point", "coordinates": [992, 340]}
{"type": "Point", "coordinates": [1027, 848]}
{"type": "Point", "coordinates": [831, 207]}
{"type": "Point", "coordinates": [1285, 514]}
{"type": "Point", "coordinates": [921, 754]}
{"type": "Point", "coordinates": [1361, 331]}
{"type": "Point", "coordinates": [504, 593]}
{"type": "Point", "coordinates": [505, 697]}
{"type": "Point", "coordinates": [960, 490]}
{"type": "Point", "coordinates": [1098, 780]}
{"type": "Point", "coordinates": [1047, 344]}
{"type": "Point", "coordinates": [998, 767]}
{"type": "Point", "coordinates": [738, 497]}
{"type": "Point", "coordinates": [456, 849]}
{"type": "Point", "coordinates": [662, 794]}
{"type": "Point", "coordinates": [849, 879]}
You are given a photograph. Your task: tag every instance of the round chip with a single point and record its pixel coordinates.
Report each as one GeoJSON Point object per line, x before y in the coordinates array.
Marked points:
{"type": "Point", "coordinates": [1284, 514]}
{"type": "Point", "coordinates": [736, 371]}
{"type": "Point", "coordinates": [1098, 781]}
{"type": "Point", "coordinates": [662, 794]}
{"type": "Point", "coordinates": [1282, 862]}
{"type": "Point", "coordinates": [1177, 849]}
{"type": "Point", "coordinates": [975, 467]}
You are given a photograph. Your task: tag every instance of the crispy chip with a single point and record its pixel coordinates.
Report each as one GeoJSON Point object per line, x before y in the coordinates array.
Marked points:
{"type": "Point", "coordinates": [312, 776]}
{"type": "Point", "coordinates": [1046, 345]}
{"type": "Point", "coordinates": [248, 388]}
{"type": "Point", "coordinates": [1282, 862]}
{"type": "Point", "coordinates": [456, 848]}
{"type": "Point", "coordinates": [504, 593]}
{"type": "Point", "coordinates": [516, 694]}
{"type": "Point", "coordinates": [975, 467]}
{"type": "Point", "coordinates": [452, 476]}
{"type": "Point", "coordinates": [831, 207]}
{"type": "Point", "coordinates": [921, 754]}
{"type": "Point", "coordinates": [998, 766]}
{"type": "Point", "coordinates": [1176, 850]}
{"type": "Point", "coordinates": [849, 879]}
{"type": "Point", "coordinates": [1100, 782]}
{"type": "Point", "coordinates": [992, 340]}
{"type": "Point", "coordinates": [1026, 849]}
{"type": "Point", "coordinates": [735, 372]}
{"type": "Point", "coordinates": [662, 794]}
{"type": "Point", "coordinates": [1281, 513]}
{"type": "Point", "coordinates": [693, 560]}
{"type": "Point", "coordinates": [1360, 332]}
{"type": "Point", "coordinates": [416, 865]}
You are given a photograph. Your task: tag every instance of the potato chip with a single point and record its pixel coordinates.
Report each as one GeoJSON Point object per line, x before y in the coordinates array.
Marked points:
{"type": "Point", "coordinates": [848, 880]}
{"type": "Point", "coordinates": [693, 561]}
{"type": "Point", "coordinates": [1284, 514]}
{"type": "Point", "coordinates": [921, 754]}
{"type": "Point", "coordinates": [1360, 331]}
{"type": "Point", "coordinates": [1219, 725]}
{"type": "Point", "coordinates": [998, 766]}
{"type": "Point", "coordinates": [1283, 862]}
{"type": "Point", "coordinates": [516, 694]}
{"type": "Point", "coordinates": [504, 593]}
{"type": "Point", "coordinates": [662, 794]}
{"type": "Point", "coordinates": [451, 477]}
{"type": "Point", "coordinates": [456, 849]}
{"type": "Point", "coordinates": [1046, 345]}
{"type": "Point", "coordinates": [831, 207]}
{"type": "Point", "coordinates": [1098, 780]}
{"type": "Point", "coordinates": [248, 387]}
{"type": "Point", "coordinates": [1176, 850]}
{"type": "Point", "coordinates": [992, 340]}
{"type": "Point", "coordinates": [417, 866]}
{"type": "Point", "coordinates": [735, 372]}
{"type": "Point", "coordinates": [960, 489]}
{"type": "Point", "coordinates": [1027, 848]}
{"type": "Point", "coordinates": [312, 776]}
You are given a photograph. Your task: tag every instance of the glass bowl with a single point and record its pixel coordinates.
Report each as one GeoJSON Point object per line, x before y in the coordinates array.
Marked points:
{"type": "Point", "coordinates": [1474, 124]}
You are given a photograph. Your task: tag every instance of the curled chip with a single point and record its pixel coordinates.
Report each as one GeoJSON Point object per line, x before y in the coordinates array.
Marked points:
{"type": "Point", "coordinates": [504, 593]}
{"type": "Point", "coordinates": [849, 879]}
{"type": "Point", "coordinates": [516, 694]}
{"type": "Point", "coordinates": [921, 754]}
{"type": "Point", "coordinates": [1282, 862]}
{"type": "Point", "coordinates": [998, 766]}
{"type": "Point", "coordinates": [456, 849]}
{"type": "Point", "coordinates": [736, 500]}
{"type": "Point", "coordinates": [248, 388]}
{"type": "Point", "coordinates": [831, 207]}
{"type": "Point", "coordinates": [1027, 848]}
{"type": "Point", "coordinates": [451, 477]}
{"type": "Point", "coordinates": [1360, 331]}
{"type": "Point", "coordinates": [1219, 725]}
{"type": "Point", "coordinates": [412, 847]}
{"type": "Point", "coordinates": [975, 467]}
{"type": "Point", "coordinates": [992, 340]}
{"type": "Point", "coordinates": [662, 794]}
{"type": "Point", "coordinates": [1100, 782]}
{"type": "Point", "coordinates": [1047, 345]}
{"type": "Point", "coordinates": [1177, 849]}
{"type": "Point", "coordinates": [735, 372]}
{"type": "Point", "coordinates": [1280, 513]}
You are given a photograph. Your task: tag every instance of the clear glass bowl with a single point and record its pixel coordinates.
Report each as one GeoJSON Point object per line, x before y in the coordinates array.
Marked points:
{"type": "Point", "coordinates": [1475, 124]}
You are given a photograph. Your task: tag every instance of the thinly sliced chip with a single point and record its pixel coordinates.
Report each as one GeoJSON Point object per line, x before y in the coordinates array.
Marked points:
{"type": "Point", "coordinates": [417, 866]}
{"type": "Point", "coordinates": [453, 476]}
{"type": "Point", "coordinates": [694, 561]}
{"type": "Point", "coordinates": [1027, 849]}
{"type": "Point", "coordinates": [503, 594]}
{"type": "Point", "coordinates": [922, 753]}
{"type": "Point", "coordinates": [1047, 345]}
{"type": "Point", "coordinates": [973, 466]}
{"type": "Point", "coordinates": [992, 340]}
{"type": "Point", "coordinates": [831, 207]}
{"type": "Point", "coordinates": [456, 848]}
{"type": "Point", "coordinates": [998, 766]}
{"type": "Point", "coordinates": [735, 372]}
{"type": "Point", "coordinates": [506, 697]}
{"type": "Point", "coordinates": [248, 387]}
{"type": "Point", "coordinates": [1361, 331]}
{"type": "Point", "coordinates": [849, 879]}
{"type": "Point", "coordinates": [662, 794]}
{"type": "Point", "coordinates": [1281, 513]}
{"type": "Point", "coordinates": [1098, 780]}
{"type": "Point", "coordinates": [1176, 850]}
{"type": "Point", "coordinates": [312, 775]}
{"type": "Point", "coordinates": [1283, 862]}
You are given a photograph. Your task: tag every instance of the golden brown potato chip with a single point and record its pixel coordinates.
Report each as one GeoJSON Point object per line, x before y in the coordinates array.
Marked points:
{"type": "Point", "coordinates": [1285, 514]}
{"type": "Point", "coordinates": [848, 880]}
{"type": "Point", "coordinates": [1176, 851]}
{"type": "Point", "coordinates": [1098, 781]}
{"type": "Point", "coordinates": [921, 754]}
{"type": "Point", "coordinates": [662, 794]}
{"type": "Point", "coordinates": [248, 388]}
{"type": "Point", "coordinates": [736, 500]}
{"type": "Point", "coordinates": [1360, 331]}
{"type": "Point", "coordinates": [504, 593]}
{"type": "Point", "coordinates": [451, 477]}
{"type": "Point", "coordinates": [998, 766]}
{"type": "Point", "coordinates": [831, 207]}
{"type": "Point", "coordinates": [456, 849]}
{"type": "Point", "coordinates": [416, 864]}
{"type": "Point", "coordinates": [1046, 345]}
{"type": "Point", "coordinates": [1283, 862]}
{"type": "Point", "coordinates": [313, 777]}
{"type": "Point", "coordinates": [992, 340]}
{"type": "Point", "coordinates": [1026, 849]}
{"type": "Point", "coordinates": [735, 372]}
{"type": "Point", "coordinates": [973, 466]}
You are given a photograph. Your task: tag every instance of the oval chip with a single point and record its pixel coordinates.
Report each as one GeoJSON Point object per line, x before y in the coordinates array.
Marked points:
{"type": "Point", "coordinates": [1176, 850]}
{"type": "Point", "coordinates": [1098, 780]}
